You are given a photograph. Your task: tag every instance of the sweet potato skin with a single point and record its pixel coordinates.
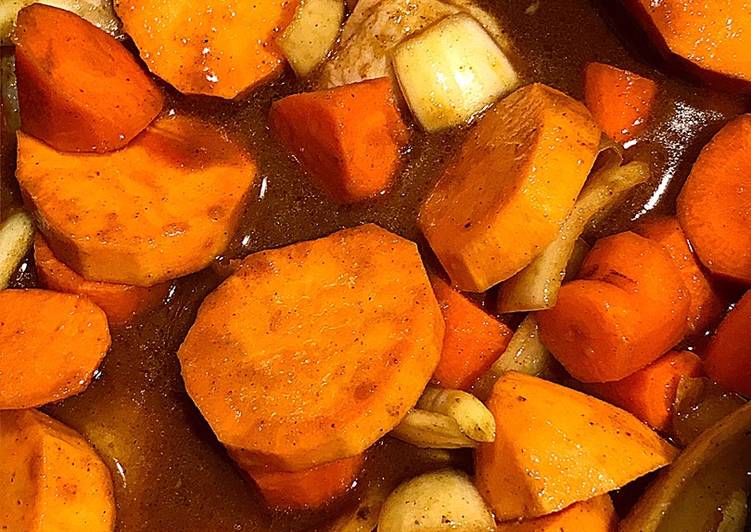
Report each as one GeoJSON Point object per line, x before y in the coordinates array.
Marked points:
{"type": "Point", "coordinates": [69, 74]}
{"type": "Point", "coordinates": [728, 356]}
{"type": "Point", "coordinates": [51, 478]}
{"type": "Point", "coordinates": [473, 340]}
{"type": "Point", "coordinates": [120, 302]}
{"type": "Point", "coordinates": [628, 307]}
{"type": "Point", "coordinates": [208, 47]}
{"type": "Point", "coordinates": [594, 515]}
{"type": "Point", "coordinates": [707, 303]}
{"type": "Point", "coordinates": [649, 393]}
{"type": "Point", "coordinates": [348, 139]}
{"type": "Point", "coordinates": [572, 452]}
{"type": "Point", "coordinates": [306, 391]}
{"type": "Point", "coordinates": [714, 205]}
{"type": "Point", "coordinates": [50, 345]}
{"type": "Point", "coordinates": [160, 208]}
{"type": "Point", "coordinates": [495, 187]}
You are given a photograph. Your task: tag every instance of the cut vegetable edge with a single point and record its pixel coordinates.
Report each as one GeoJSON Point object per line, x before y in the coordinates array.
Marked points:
{"type": "Point", "coordinates": [461, 51]}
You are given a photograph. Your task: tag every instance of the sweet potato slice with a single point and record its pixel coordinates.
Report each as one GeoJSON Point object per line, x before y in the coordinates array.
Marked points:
{"type": "Point", "coordinates": [310, 353]}
{"type": "Point", "coordinates": [728, 357]}
{"type": "Point", "coordinates": [712, 37]}
{"type": "Point", "coordinates": [473, 341]}
{"type": "Point", "coordinates": [50, 345]}
{"type": "Point", "coordinates": [706, 302]}
{"type": "Point", "coordinates": [621, 101]}
{"type": "Point", "coordinates": [212, 47]}
{"type": "Point", "coordinates": [79, 88]}
{"type": "Point", "coordinates": [307, 488]}
{"type": "Point", "coordinates": [714, 206]}
{"type": "Point", "coordinates": [555, 446]}
{"type": "Point", "coordinates": [649, 393]}
{"type": "Point", "coordinates": [595, 515]}
{"type": "Point", "coordinates": [516, 177]}
{"type": "Point", "coordinates": [120, 302]}
{"type": "Point", "coordinates": [50, 477]}
{"type": "Point", "coordinates": [161, 208]}
{"type": "Point", "coordinates": [347, 138]}
{"type": "Point", "coordinates": [628, 307]}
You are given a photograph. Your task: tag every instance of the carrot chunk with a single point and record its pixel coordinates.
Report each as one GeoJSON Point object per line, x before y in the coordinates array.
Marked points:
{"type": "Point", "coordinates": [211, 47]}
{"type": "Point", "coordinates": [555, 446]}
{"type": "Point", "coordinates": [79, 89]}
{"type": "Point", "coordinates": [518, 173]}
{"type": "Point", "coordinates": [308, 488]}
{"type": "Point", "coordinates": [712, 37]}
{"type": "Point", "coordinates": [628, 307]}
{"type": "Point", "coordinates": [594, 515]}
{"type": "Point", "coordinates": [158, 209]}
{"type": "Point", "coordinates": [706, 302]}
{"type": "Point", "coordinates": [348, 139]}
{"type": "Point", "coordinates": [649, 393]}
{"type": "Point", "coordinates": [51, 478]}
{"type": "Point", "coordinates": [309, 353]}
{"type": "Point", "coordinates": [728, 357]}
{"type": "Point", "coordinates": [620, 101]}
{"type": "Point", "coordinates": [473, 341]}
{"type": "Point", "coordinates": [714, 206]}
{"type": "Point", "coordinates": [120, 302]}
{"type": "Point", "coordinates": [50, 345]}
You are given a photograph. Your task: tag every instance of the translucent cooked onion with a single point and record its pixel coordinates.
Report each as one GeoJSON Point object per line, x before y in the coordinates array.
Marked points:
{"type": "Point", "coordinates": [311, 34]}
{"type": "Point", "coordinates": [452, 71]}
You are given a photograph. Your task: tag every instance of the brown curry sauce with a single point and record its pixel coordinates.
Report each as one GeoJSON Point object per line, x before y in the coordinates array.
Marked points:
{"type": "Point", "coordinates": [169, 471]}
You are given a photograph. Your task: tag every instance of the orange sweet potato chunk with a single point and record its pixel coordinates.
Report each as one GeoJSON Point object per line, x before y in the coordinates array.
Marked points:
{"type": "Point", "coordinates": [516, 177]}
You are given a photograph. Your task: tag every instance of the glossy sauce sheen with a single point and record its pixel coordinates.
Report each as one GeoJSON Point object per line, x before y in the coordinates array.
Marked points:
{"type": "Point", "coordinates": [168, 469]}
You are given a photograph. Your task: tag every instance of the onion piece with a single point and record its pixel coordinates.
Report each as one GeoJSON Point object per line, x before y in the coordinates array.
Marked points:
{"type": "Point", "coordinates": [311, 34]}
{"type": "Point", "coordinates": [16, 236]}
{"type": "Point", "coordinates": [473, 417]}
{"type": "Point", "coordinates": [426, 429]}
{"type": "Point", "coordinates": [525, 353]}
{"type": "Point", "coordinates": [700, 403]}
{"type": "Point", "coordinates": [452, 71]}
{"type": "Point", "coordinates": [99, 12]}
{"type": "Point", "coordinates": [442, 500]}
{"type": "Point", "coordinates": [536, 286]}
{"type": "Point", "coordinates": [693, 492]}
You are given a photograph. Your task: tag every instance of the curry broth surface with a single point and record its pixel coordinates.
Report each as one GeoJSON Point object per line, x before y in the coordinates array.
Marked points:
{"type": "Point", "coordinates": [170, 473]}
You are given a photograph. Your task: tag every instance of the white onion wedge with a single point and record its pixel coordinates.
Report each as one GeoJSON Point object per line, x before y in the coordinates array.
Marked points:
{"type": "Point", "coordinates": [16, 235]}
{"type": "Point", "coordinates": [473, 417]}
{"type": "Point", "coordinates": [442, 500]}
{"type": "Point", "coordinates": [311, 34]}
{"type": "Point", "coordinates": [452, 71]}
{"type": "Point", "coordinates": [98, 12]}
{"type": "Point", "coordinates": [525, 353]}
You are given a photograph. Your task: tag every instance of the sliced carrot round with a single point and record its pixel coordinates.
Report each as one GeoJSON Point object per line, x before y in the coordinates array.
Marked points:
{"type": "Point", "coordinates": [714, 206]}
{"type": "Point", "coordinates": [120, 302]}
{"type": "Point", "coordinates": [79, 88]}
{"type": "Point", "coordinates": [620, 101]}
{"type": "Point", "coordinates": [308, 488]}
{"type": "Point", "coordinates": [706, 302]}
{"type": "Point", "coordinates": [211, 47]}
{"type": "Point", "coordinates": [310, 353]}
{"type": "Point", "coordinates": [728, 357]}
{"type": "Point", "coordinates": [158, 209]}
{"type": "Point", "coordinates": [50, 345]}
{"type": "Point", "coordinates": [629, 307]}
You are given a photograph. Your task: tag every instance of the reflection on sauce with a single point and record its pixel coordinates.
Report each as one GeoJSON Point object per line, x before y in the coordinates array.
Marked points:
{"type": "Point", "coordinates": [169, 471]}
